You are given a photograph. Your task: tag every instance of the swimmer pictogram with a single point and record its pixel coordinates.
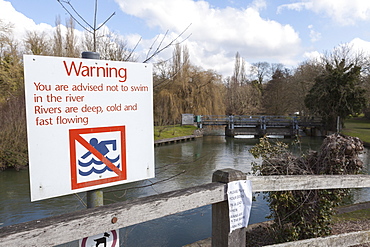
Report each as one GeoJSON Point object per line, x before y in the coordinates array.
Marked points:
{"type": "Point", "coordinates": [98, 156]}
{"type": "Point", "coordinates": [101, 147]}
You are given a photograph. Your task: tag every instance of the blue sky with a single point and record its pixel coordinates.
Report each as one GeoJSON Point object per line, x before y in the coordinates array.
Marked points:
{"type": "Point", "coordinates": [284, 31]}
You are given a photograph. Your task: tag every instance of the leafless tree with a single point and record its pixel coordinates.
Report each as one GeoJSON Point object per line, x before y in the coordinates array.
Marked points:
{"type": "Point", "coordinates": [90, 28]}
{"type": "Point", "coordinates": [37, 43]}
{"type": "Point", "coordinates": [261, 70]}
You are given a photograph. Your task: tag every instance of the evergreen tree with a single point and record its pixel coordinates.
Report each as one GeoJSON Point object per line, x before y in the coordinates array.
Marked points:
{"type": "Point", "coordinates": [337, 92]}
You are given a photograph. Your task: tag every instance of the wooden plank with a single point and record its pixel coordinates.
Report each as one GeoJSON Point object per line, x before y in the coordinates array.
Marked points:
{"type": "Point", "coordinates": [346, 239]}
{"type": "Point", "coordinates": [77, 225]}
{"type": "Point", "coordinates": [68, 227]}
{"type": "Point", "coordinates": [312, 182]}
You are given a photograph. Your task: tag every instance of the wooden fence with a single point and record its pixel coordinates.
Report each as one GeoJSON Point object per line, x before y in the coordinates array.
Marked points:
{"type": "Point", "coordinates": [77, 225]}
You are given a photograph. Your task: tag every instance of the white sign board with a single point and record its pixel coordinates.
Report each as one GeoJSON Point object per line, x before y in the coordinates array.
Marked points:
{"type": "Point", "coordinates": [107, 239]}
{"type": "Point", "coordinates": [239, 194]}
{"type": "Point", "coordinates": [90, 124]}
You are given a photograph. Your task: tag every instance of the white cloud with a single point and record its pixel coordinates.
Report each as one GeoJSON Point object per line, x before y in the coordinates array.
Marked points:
{"type": "Point", "coordinates": [343, 12]}
{"type": "Point", "coordinates": [356, 45]}
{"type": "Point", "coordinates": [313, 55]}
{"type": "Point", "coordinates": [294, 6]}
{"type": "Point", "coordinates": [258, 4]}
{"type": "Point", "coordinates": [21, 24]}
{"type": "Point", "coordinates": [218, 33]}
{"type": "Point", "coordinates": [360, 46]}
{"type": "Point", "coordinates": [314, 35]}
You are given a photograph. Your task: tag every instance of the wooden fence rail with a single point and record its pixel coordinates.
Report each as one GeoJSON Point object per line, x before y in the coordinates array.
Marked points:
{"type": "Point", "coordinates": [65, 228]}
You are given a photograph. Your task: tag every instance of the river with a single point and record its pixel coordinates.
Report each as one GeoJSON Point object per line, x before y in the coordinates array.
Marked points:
{"type": "Point", "coordinates": [187, 164]}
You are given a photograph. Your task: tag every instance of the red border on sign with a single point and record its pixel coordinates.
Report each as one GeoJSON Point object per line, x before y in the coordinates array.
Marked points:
{"type": "Point", "coordinates": [114, 233]}
{"type": "Point", "coordinates": [74, 136]}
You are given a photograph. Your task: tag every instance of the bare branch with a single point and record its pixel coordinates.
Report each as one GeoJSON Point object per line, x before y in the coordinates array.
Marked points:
{"type": "Point", "coordinates": [151, 47]}
{"type": "Point", "coordinates": [93, 28]}
{"type": "Point", "coordinates": [132, 51]}
{"type": "Point", "coordinates": [106, 20]}
{"type": "Point", "coordinates": [75, 19]}
{"type": "Point", "coordinates": [159, 50]}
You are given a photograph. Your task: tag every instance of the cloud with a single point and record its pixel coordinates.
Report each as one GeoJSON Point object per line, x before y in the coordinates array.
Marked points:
{"type": "Point", "coordinates": [216, 33]}
{"type": "Point", "coordinates": [343, 12]}
{"type": "Point", "coordinates": [219, 33]}
{"type": "Point", "coordinates": [258, 4]}
{"type": "Point", "coordinates": [314, 36]}
{"type": "Point", "coordinates": [360, 46]}
{"type": "Point", "coordinates": [21, 24]}
{"type": "Point", "coordinates": [357, 47]}
{"type": "Point", "coordinates": [313, 55]}
{"type": "Point", "coordinates": [294, 6]}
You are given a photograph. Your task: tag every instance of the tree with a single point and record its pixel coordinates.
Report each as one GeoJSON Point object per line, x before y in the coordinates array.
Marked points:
{"type": "Point", "coordinates": [260, 70]}
{"type": "Point", "coordinates": [300, 83]}
{"type": "Point", "coordinates": [57, 47]}
{"type": "Point", "coordinates": [65, 44]}
{"type": "Point", "coordinates": [112, 47]}
{"type": "Point", "coordinates": [37, 43]}
{"type": "Point", "coordinates": [13, 135]}
{"type": "Point", "coordinates": [98, 41]}
{"type": "Point", "coordinates": [90, 28]}
{"type": "Point", "coordinates": [242, 96]}
{"type": "Point", "coordinates": [180, 87]}
{"type": "Point", "coordinates": [337, 92]}
{"type": "Point", "coordinates": [11, 67]}
{"type": "Point", "coordinates": [276, 94]}
{"type": "Point", "coordinates": [71, 47]}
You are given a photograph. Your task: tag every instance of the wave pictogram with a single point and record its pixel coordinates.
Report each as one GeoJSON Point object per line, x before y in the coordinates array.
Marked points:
{"type": "Point", "coordinates": [93, 163]}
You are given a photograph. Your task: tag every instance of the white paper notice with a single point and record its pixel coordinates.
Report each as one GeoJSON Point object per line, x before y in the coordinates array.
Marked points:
{"type": "Point", "coordinates": [240, 203]}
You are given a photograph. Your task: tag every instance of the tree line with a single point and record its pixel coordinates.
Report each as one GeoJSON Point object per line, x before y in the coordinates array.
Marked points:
{"type": "Point", "coordinates": [333, 85]}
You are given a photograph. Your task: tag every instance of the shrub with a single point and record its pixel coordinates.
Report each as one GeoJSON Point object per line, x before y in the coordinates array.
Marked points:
{"type": "Point", "coordinates": [307, 213]}
{"type": "Point", "coordinates": [13, 133]}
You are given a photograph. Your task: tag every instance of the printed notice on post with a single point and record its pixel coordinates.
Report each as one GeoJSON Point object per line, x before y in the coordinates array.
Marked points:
{"type": "Point", "coordinates": [239, 195]}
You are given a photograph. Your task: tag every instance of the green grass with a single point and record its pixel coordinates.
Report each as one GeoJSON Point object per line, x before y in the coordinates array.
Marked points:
{"type": "Point", "coordinates": [357, 127]}
{"type": "Point", "coordinates": [171, 131]}
{"type": "Point", "coordinates": [361, 214]}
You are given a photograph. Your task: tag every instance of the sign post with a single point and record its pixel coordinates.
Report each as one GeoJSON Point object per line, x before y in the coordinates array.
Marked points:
{"type": "Point", "coordinates": [94, 198]}
{"type": "Point", "coordinates": [90, 124]}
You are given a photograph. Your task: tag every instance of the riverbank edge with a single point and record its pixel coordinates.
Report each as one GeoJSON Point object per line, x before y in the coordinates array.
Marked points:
{"type": "Point", "coordinates": [175, 140]}
{"type": "Point", "coordinates": [340, 210]}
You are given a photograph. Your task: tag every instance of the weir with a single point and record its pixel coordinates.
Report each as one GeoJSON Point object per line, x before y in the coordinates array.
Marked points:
{"type": "Point", "coordinates": [258, 126]}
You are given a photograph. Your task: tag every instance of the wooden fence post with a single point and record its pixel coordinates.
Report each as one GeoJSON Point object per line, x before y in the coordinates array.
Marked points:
{"type": "Point", "coordinates": [220, 214]}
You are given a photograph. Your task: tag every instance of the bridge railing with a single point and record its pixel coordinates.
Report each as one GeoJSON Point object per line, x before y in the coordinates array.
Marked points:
{"type": "Point", "coordinates": [251, 118]}
{"type": "Point", "coordinates": [77, 225]}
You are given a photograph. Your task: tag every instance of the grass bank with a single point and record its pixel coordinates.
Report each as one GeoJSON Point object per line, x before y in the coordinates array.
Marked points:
{"type": "Point", "coordinates": [358, 127]}
{"type": "Point", "coordinates": [171, 131]}
{"type": "Point", "coordinates": [359, 211]}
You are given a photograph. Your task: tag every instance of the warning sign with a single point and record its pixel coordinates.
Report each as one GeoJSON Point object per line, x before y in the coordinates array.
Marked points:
{"type": "Point", "coordinates": [98, 156]}
{"type": "Point", "coordinates": [89, 124]}
{"type": "Point", "coordinates": [107, 239]}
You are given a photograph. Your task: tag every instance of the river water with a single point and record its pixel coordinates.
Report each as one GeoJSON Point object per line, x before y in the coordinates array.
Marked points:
{"type": "Point", "coordinates": [187, 164]}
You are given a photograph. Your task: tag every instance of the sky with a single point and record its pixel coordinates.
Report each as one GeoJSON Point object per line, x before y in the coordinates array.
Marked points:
{"type": "Point", "coordinates": [275, 31]}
